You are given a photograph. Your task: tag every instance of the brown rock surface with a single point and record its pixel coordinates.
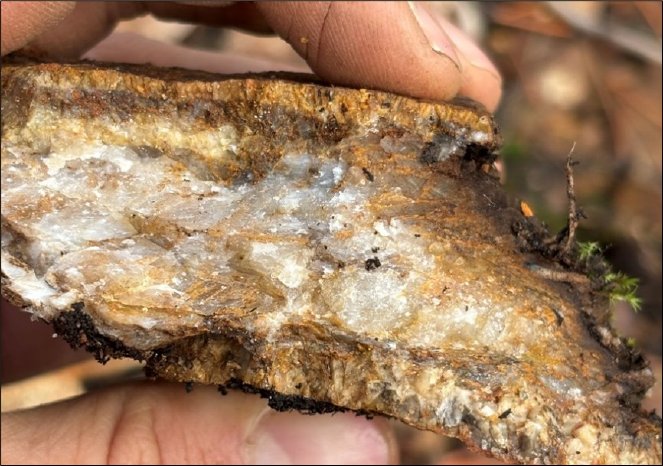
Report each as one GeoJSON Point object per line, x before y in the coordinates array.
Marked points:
{"type": "Point", "coordinates": [330, 248]}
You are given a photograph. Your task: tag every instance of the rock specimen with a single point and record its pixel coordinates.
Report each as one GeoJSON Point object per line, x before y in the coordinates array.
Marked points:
{"type": "Point", "coordinates": [329, 248]}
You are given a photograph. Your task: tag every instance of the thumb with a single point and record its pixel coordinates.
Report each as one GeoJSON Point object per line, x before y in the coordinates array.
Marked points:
{"type": "Point", "coordinates": [394, 46]}
{"type": "Point", "coordinates": [23, 21]}
{"type": "Point", "coordinates": [158, 423]}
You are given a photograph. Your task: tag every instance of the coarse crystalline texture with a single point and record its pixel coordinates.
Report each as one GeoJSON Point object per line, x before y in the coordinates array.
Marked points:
{"type": "Point", "coordinates": [330, 248]}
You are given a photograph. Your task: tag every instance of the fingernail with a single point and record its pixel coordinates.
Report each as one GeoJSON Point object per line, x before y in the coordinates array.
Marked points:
{"type": "Point", "coordinates": [472, 53]}
{"type": "Point", "coordinates": [293, 438]}
{"type": "Point", "coordinates": [437, 37]}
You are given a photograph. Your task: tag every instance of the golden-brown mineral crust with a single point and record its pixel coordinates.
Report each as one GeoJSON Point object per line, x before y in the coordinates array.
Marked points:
{"type": "Point", "coordinates": [327, 247]}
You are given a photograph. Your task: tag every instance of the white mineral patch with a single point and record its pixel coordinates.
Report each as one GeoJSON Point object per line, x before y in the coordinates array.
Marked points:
{"type": "Point", "coordinates": [291, 201]}
{"type": "Point", "coordinates": [66, 299]}
{"type": "Point", "coordinates": [565, 387]}
{"type": "Point", "coordinates": [118, 156]}
{"type": "Point", "coordinates": [451, 410]}
{"type": "Point", "coordinates": [285, 262]}
{"type": "Point", "coordinates": [487, 410]}
{"type": "Point", "coordinates": [479, 137]}
{"type": "Point", "coordinates": [292, 228]}
{"type": "Point", "coordinates": [376, 302]}
{"type": "Point", "coordinates": [295, 165]}
{"type": "Point", "coordinates": [330, 174]}
{"type": "Point", "coordinates": [224, 136]}
{"type": "Point", "coordinates": [198, 214]}
{"type": "Point", "coordinates": [72, 228]}
{"type": "Point", "coordinates": [338, 222]}
{"type": "Point", "coordinates": [26, 283]}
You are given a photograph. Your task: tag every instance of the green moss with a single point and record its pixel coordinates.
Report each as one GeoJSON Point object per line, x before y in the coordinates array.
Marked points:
{"type": "Point", "coordinates": [621, 287]}
{"type": "Point", "coordinates": [587, 250]}
{"type": "Point", "coordinates": [618, 285]}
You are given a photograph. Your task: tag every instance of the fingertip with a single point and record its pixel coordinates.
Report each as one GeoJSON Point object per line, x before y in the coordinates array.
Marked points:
{"type": "Point", "coordinates": [23, 21]}
{"type": "Point", "coordinates": [482, 86]}
{"type": "Point", "coordinates": [377, 45]}
{"type": "Point", "coordinates": [481, 80]}
{"type": "Point", "coordinates": [168, 423]}
{"type": "Point", "coordinates": [290, 438]}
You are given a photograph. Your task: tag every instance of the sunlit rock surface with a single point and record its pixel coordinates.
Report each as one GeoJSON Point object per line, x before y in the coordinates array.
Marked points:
{"type": "Point", "coordinates": [331, 247]}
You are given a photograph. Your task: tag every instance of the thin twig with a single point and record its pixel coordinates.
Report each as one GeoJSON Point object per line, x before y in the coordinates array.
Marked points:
{"type": "Point", "coordinates": [571, 194]}
{"type": "Point", "coordinates": [559, 275]}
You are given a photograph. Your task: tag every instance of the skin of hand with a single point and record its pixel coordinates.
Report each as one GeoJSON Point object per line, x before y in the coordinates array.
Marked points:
{"type": "Point", "coordinates": [396, 46]}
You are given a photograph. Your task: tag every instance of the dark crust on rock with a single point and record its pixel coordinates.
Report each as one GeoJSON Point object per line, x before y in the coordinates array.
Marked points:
{"type": "Point", "coordinates": [76, 328]}
{"type": "Point", "coordinates": [286, 403]}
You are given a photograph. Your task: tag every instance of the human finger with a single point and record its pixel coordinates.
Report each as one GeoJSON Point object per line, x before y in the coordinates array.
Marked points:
{"type": "Point", "coordinates": [23, 21]}
{"type": "Point", "coordinates": [89, 22]}
{"type": "Point", "coordinates": [158, 423]}
{"type": "Point", "coordinates": [480, 79]}
{"type": "Point", "coordinates": [394, 46]}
